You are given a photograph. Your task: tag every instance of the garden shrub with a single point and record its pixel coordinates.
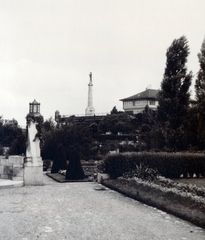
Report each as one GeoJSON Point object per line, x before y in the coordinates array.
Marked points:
{"type": "Point", "coordinates": [99, 157]}
{"type": "Point", "coordinates": [101, 166]}
{"type": "Point", "coordinates": [46, 164]}
{"type": "Point", "coordinates": [142, 172]}
{"type": "Point", "coordinates": [74, 170]}
{"type": "Point", "coordinates": [1, 150]}
{"type": "Point", "coordinates": [55, 167]}
{"type": "Point", "coordinates": [117, 164]}
{"type": "Point", "coordinates": [59, 161]}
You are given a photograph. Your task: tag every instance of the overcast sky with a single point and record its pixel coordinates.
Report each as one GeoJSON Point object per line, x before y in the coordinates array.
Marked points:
{"type": "Point", "coordinates": [49, 47]}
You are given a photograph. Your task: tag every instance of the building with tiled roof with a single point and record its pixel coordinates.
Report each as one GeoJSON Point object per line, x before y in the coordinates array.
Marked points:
{"type": "Point", "coordinates": [137, 103]}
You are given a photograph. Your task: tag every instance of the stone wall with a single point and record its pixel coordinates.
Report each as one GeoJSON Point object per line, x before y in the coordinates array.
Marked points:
{"type": "Point", "coordinates": [12, 168]}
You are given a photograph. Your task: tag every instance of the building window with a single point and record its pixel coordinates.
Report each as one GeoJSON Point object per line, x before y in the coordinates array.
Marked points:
{"type": "Point", "coordinates": [152, 102]}
{"type": "Point", "coordinates": [133, 103]}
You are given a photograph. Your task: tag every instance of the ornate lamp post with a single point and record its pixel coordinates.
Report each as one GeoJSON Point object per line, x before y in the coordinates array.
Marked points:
{"type": "Point", "coordinates": [34, 107]}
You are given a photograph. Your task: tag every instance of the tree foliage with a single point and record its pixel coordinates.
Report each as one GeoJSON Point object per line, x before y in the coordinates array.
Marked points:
{"type": "Point", "coordinates": [9, 131]}
{"type": "Point", "coordinates": [70, 136]}
{"type": "Point", "coordinates": [49, 125]}
{"type": "Point", "coordinates": [174, 94]}
{"type": "Point", "coordinates": [12, 136]}
{"type": "Point", "coordinates": [117, 122]}
{"type": "Point", "coordinates": [18, 146]}
{"type": "Point", "coordinates": [200, 96]}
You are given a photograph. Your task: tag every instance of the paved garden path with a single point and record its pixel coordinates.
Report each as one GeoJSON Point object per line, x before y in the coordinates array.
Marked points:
{"type": "Point", "coordinates": [82, 211]}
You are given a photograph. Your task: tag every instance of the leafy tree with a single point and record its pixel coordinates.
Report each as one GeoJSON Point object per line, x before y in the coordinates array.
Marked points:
{"type": "Point", "coordinates": [78, 137]}
{"type": "Point", "coordinates": [49, 125]}
{"type": "Point", "coordinates": [18, 146]}
{"type": "Point", "coordinates": [122, 127]}
{"type": "Point", "coordinates": [114, 123]}
{"type": "Point", "coordinates": [93, 127]}
{"type": "Point", "coordinates": [150, 136]}
{"type": "Point", "coordinates": [192, 128]}
{"type": "Point", "coordinates": [145, 128]}
{"type": "Point", "coordinates": [51, 139]}
{"type": "Point", "coordinates": [9, 132]}
{"type": "Point", "coordinates": [70, 136]}
{"type": "Point", "coordinates": [50, 142]}
{"type": "Point", "coordinates": [108, 123]}
{"type": "Point", "coordinates": [200, 95]}
{"type": "Point", "coordinates": [174, 94]}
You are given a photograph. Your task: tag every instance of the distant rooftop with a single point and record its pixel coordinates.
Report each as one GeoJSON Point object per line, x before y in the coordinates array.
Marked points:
{"type": "Point", "coordinates": [147, 94]}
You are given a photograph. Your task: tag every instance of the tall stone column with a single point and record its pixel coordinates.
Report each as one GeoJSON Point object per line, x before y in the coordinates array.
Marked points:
{"type": "Point", "coordinates": [33, 165]}
{"type": "Point", "coordinates": [90, 110]}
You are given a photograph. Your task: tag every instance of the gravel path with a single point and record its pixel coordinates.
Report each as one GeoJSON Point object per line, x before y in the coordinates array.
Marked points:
{"type": "Point", "coordinates": [84, 211]}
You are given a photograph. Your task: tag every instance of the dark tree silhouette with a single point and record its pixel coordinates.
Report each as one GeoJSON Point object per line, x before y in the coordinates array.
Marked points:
{"type": "Point", "coordinates": [114, 110]}
{"type": "Point", "coordinates": [174, 94]}
{"type": "Point", "coordinates": [59, 161]}
{"type": "Point", "coordinates": [200, 96]}
{"type": "Point", "coordinates": [74, 169]}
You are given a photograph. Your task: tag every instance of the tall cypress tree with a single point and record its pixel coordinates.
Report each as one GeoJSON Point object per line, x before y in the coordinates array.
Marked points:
{"type": "Point", "coordinates": [174, 94]}
{"type": "Point", "coordinates": [200, 96]}
{"type": "Point", "coordinates": [59, 161]}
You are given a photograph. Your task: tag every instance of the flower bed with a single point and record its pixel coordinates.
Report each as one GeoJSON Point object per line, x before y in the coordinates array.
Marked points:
{"type": "Point", "coordinates": [184, 201]}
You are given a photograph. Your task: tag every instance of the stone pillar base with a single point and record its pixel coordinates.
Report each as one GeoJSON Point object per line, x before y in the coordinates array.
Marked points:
{"type": "Point", "coordinates": [33, 175]}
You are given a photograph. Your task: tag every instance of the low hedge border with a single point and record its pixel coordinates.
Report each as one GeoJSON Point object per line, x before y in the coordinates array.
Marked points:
{"type": "Point", "coordinates": [181, 206]}
{"type": "Point", "coordinates": [169, 165]}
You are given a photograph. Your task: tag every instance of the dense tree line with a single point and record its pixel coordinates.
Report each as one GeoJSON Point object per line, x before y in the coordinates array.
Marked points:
{"type": "Point", "coordinates": [67, 137]}
{"type": "Point", "coordinates": [12, 137]}
{"type": "Point", "coordinates": [84, 136]}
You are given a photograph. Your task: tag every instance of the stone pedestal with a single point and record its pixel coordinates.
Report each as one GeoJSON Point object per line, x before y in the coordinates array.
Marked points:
{"type": "Point", "coordinates": [33, 175]}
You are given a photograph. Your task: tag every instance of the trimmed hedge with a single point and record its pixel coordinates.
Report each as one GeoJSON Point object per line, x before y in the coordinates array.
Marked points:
{"type": "Point", "coordinates": [170, 165]}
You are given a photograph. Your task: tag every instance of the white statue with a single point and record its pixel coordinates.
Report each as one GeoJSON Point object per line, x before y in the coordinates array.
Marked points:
{"type": "Point", "coordinates": [34, 122]}
{"type": "Point", "coordinates": [33, 144]}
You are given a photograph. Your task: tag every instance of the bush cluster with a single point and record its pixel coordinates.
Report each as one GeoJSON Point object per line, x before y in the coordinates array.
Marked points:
{"type": "Point", "coordinates": [170, 165]}
{"type": "Point", "coordinates": [142, 172]}
{"type": "Point", "coordinates": [46, 164]}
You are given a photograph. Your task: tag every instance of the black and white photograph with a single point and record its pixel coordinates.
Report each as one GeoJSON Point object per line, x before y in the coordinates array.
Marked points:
{"type": "Point", "coordinates": [102, 120]}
